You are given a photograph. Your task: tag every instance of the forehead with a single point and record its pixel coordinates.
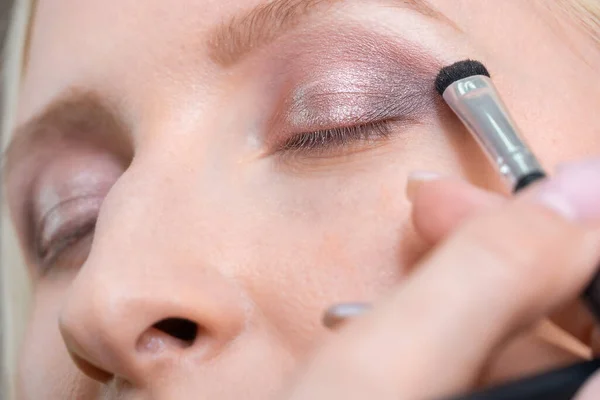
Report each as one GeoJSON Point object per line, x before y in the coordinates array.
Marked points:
{"type": "Point", "coordinates": [99, 22]}
{"type": "Point", "coordinates": [146, 48]}
{"type": "Point", "coordinates": [69, 38]}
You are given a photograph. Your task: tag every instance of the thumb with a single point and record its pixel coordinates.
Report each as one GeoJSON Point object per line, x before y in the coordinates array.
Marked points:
{"type": "Point", "coordinates": [441, 204]}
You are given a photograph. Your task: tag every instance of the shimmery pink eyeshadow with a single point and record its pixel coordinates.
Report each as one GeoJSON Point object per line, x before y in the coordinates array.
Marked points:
{"type": "Point", "coordinates": [358, 77]}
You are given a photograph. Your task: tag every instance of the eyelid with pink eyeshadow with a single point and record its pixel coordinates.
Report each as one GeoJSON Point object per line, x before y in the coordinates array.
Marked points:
{"type": "Point", "coordinates": [362, 80]}
{"type": "Point", "coordinates": [353, 96]}
{"type": "Point", "coordinates": [350, 105]}
{"type": "Point", "coordinates": [63, 226]}
{"type": "Point", "coordinates": [66, 199]}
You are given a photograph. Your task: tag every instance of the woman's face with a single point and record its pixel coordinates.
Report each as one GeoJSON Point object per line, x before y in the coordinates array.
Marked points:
{"type": "Point", "coordinates": [194, 182]}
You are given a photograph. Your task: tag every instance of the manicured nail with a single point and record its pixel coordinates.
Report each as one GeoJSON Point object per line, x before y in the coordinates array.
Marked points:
{"type": "Point", "coordinates": [575, 191]}
{"type": "Point", "coordinates": [336, 315]}
{"type": "Point", "coordinates": [416, 179]}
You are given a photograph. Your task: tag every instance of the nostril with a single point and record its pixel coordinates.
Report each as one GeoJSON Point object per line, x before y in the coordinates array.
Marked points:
{"type": "Point", "coordinates": [179, 328]}
{"type": "Point", "coordinates": [91, 370]}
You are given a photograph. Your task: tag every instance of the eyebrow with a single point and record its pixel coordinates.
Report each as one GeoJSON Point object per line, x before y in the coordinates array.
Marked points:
{"type": "Point", "coordinates": [74, 112]}
{"type": "Point", "coordinates": [228, 44]}
{"type": "Point", "coordinates": [244, 33]}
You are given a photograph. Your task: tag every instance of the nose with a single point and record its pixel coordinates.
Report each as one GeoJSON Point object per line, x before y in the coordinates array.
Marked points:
{"type": "Point", "coordinates": [137, 331]}
{"type": "Point", "coordinates": [147, 301]}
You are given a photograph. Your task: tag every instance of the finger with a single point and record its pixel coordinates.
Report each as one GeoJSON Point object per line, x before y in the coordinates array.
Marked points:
{"type": "Point", "coordinates": [552, 333]}
{"type": "Point", "coordinates": [525, 355]}
{"type": "Point", "coordinates": [595, 342]}
{"type": "Point", "coordinates": [575, 318]}
{"type": "Point", "coordinates": [490, 278]}
{"type": "Point", "coordinates": [440, 205]}
{"type": "Point", "coordinates": [538, 349]}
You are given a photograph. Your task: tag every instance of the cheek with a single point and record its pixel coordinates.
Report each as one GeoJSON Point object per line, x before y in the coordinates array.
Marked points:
{"type": "Point", "coordinates": [352, 242]}
{"type": "Point", "coordinates": [45, 368]}
{"type": "Point", "coordinates": [340, 234]}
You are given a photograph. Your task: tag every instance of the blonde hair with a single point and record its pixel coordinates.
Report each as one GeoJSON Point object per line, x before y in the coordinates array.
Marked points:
{"type": "Point", "coordinates": [14, 282]}
{"type": "Point", "coordinates": [586, 13]}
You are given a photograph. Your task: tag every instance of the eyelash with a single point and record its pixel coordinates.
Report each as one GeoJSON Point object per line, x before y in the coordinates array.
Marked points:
{"type": "Point", "coordinates": [50, 254]}
{"type": "Point", "coordinates": [329, 139]}
{"type": "Point", "coordinates": [311, 142]}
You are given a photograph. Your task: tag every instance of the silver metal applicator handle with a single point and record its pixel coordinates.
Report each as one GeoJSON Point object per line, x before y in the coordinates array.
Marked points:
{"type": "Point", "coordinates": [476, 102]}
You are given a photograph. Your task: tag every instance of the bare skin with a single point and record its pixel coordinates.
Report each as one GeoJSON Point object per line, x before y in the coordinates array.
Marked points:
{"type": "Point", "coordinates": [155, 175]}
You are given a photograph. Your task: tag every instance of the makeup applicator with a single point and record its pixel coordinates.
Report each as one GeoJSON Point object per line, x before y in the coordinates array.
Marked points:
{"type": "Point", "coordinates": [467, 88]}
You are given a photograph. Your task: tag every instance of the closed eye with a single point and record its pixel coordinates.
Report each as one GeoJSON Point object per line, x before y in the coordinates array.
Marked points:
{"type": "Point", "coordinates": [56, 250]}
{"type": "Point", "coordinates": [327, 140]}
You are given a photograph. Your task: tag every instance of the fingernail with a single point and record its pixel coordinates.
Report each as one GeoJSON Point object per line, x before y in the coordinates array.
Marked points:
{"type": "Point", "coordinates": [416, 179]}
{"type": "Point", "coordinates": [336, 315]}
{"type": "Point", "coordinates": [574, 192]}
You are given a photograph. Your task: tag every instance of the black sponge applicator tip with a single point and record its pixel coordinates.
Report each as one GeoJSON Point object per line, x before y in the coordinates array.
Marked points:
{"type": "Point", "coordinates": [457, 71]}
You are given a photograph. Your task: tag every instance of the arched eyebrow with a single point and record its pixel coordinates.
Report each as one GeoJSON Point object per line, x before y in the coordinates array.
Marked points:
{"type": "Point", "coordinates": [253, 29]}
{"type": "Point", "coordinates": [76, 111]}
